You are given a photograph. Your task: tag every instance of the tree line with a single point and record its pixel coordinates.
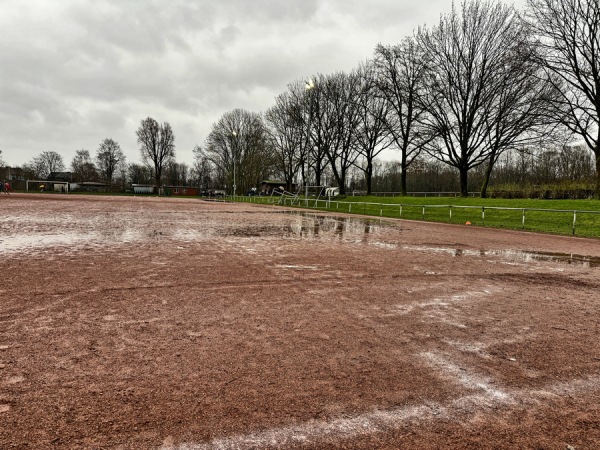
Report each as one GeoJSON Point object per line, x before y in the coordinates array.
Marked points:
{"type": "Point", "coordinates": [487, 81]}
{"type": "Point", "coordinates": [486, 94]}
{"type": "Point", "coordinates": [109, 165]}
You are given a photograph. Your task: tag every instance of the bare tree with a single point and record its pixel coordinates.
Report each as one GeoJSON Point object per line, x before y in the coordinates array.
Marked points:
{"type": "Point", "coordinates": [569, 34]}
{"type": "Point", "coordinates": [286, 128]}
{"type": "Point", "coordinates": [121, 175]}
{"type": "Point", "coordinates": [518, 114]}
{"type": "Point", "coordinates": [1, 160]}
{"type": "Point", "coordinates": [177, 174]}
{"type": "Point", "coordinates": [575, 163]}
{"type": "Point", "coordinates": [319, 131]}
{"type": "Point", "coordinates": [341, 119]}
{"type": "Point", "coordinates": [46, 163]}
{"type": "Point", "coordinates": [108, 157]}
{"type": "Point", "coordinates": [373, 135]}
{"type": "Point", "coordinates": [202, 169]}
{"type": "Point", "coordinates": [332, 119]}
{"type": "Point", "coordinates": [83, 167]}
{"type": "Point", "coordinates": [479, 62]}
{"type": "Point", "coordinates": [301, 97]}
{"type": "Point", "coordinates": [239, 148]}
{"type": "Point", "coordinates": [157, 145]}
{"type": "Point", "coordinates": [401, 70]}
{"type": "Point", "coordinates": [139, 174]}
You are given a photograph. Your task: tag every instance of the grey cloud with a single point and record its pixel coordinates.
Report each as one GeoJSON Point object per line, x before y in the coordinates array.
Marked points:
{"type": "Point", "coordinates": [77, 71]}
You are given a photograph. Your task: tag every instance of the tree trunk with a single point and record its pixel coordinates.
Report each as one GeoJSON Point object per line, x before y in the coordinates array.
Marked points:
{"type": "Point", "coordinates": [597, 189]}
{"type": "Point", "coordinates": [403, 182]}
{"type": "Point", "coordinates": [158, 176]}
{"type": "Point", "coordinates": [464, 188]}
{"type": "Point", "coordinates": [339, 180]}
{"type": "Point", "coordinates": [403, 175]}
{"type": "Point", "coordinates": [486, 180]}
{"type": "Point", "coordinates": [317, 174]}
{"type": "Point", "coordinates": [342, 182]}
{"type": "Point", "coordinates": [289, 183]}
{"type": "Point", "coordinates": [369, 177]}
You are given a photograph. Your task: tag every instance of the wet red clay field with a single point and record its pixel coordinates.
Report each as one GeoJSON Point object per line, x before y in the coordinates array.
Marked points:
{"type": "Point", "coordinates": [140, 323]}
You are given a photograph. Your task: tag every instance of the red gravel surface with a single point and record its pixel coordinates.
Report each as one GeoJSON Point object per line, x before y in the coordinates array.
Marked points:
{"type": "Point", "coordinates": [136, 323]}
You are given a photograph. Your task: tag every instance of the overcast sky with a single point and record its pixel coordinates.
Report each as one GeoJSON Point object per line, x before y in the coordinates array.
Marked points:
{"type": "Point", "coordinates": [74, 72]}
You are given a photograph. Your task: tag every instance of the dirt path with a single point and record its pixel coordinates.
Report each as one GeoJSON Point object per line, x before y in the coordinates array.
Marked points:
{"type": "Point", "coordinates": [181, 324]}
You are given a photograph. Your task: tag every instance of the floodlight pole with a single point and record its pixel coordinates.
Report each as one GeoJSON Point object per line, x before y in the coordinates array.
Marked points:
{"type": "Point", "coordinates": [308, 86]}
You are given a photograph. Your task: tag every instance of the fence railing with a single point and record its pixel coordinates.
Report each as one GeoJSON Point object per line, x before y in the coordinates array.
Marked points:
{"type": "Point", "coordinates": [418, 194]}
{"type": "Point", "coordinates": [562, 221]}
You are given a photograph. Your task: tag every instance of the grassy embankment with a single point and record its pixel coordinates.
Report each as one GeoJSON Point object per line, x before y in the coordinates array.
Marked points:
{"type": "Point", "coordinates": [479, 212]}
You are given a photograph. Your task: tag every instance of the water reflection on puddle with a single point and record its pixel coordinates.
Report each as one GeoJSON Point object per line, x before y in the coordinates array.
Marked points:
{"type": "Point", "coordinates": [312, 227]}
{"type": "Point", "coordinates": [33, 242]}
{"type": "Point", "coordinates": [517, 255]}
{"type": "Point", "coordinates": [302, 226]}
{"type": "Point", "coordinates": [13, 244]}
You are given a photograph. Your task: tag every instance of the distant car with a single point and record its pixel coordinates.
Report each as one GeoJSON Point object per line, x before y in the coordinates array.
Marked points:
{"type": "Point", "coordinates": [213, 193]}
{"type": "Point", "coordinates": [251, 192]}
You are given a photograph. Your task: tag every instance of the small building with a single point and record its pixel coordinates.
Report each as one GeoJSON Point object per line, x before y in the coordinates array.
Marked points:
{"type": "Point", "coordinates": [63, 188]}
{"type": "Point", "coordinates": [147, 189]}
{"type": "Point", "coordinates": [184, 191]}
{"type": "Point", "coordinates": [88, 186]}
{"type": "Point", "coordinates": [60, 176]}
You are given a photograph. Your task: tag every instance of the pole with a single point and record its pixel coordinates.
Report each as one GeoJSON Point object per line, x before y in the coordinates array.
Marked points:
{"type": "Point", "coordinates": [234, 154]}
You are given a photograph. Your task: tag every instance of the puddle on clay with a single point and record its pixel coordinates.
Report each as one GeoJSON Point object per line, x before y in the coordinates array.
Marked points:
{"type": "Point", "coordinates": [31, 242]}
{"type": "Point", "coordinates": [517, 255]}
{"type": "Point", "coordinates": [313, 227]}
{"type": "Point", "coordinates": [580, 260]}
{"type": "Point", "coordinates": [301, 225]}
{"type": "Point", "coordinates": [17, 243]}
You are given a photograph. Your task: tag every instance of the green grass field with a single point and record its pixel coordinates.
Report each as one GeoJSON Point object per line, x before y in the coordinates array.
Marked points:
{"type": "Point", "coordinates": [547, 216]}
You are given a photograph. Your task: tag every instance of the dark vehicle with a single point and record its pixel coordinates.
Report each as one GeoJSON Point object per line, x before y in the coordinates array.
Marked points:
{"type": "Point", "coordinates": [213, 193]}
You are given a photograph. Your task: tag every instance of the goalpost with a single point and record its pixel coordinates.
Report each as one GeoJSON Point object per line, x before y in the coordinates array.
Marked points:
{"type": "Point", "coordinates": [312, 192]}
{"type": "Point", "coordinates": [47, 186]}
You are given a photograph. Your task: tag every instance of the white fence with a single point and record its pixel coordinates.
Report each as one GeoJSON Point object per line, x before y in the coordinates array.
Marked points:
{"type": "Point", "coordinates": [425, 212]}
